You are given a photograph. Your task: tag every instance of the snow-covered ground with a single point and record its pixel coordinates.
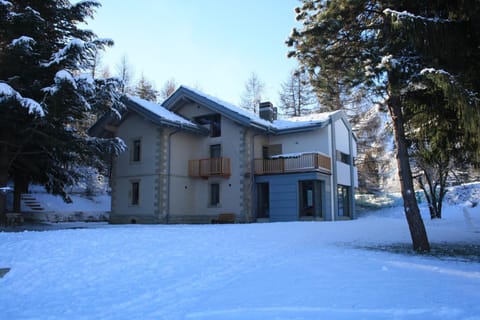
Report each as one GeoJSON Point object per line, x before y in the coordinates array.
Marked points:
{"type": "Point", "coordinates": [360, 269]}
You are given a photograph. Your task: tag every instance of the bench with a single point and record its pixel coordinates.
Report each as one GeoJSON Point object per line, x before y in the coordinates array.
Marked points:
{"type": "Point", "coordinates": [14, 219]}
{"type": "Point", "coordinates": [224, 218]}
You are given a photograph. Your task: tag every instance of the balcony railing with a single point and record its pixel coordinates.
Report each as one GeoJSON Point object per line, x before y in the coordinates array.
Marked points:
{"type": "Point", "coordinates": [301, 163]}
{"type": "Point", "coordinates": [211, 167]}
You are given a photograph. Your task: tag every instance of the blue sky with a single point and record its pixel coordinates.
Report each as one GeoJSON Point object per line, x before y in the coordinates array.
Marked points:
{"type": "Point", "coordinates": [213, 45]}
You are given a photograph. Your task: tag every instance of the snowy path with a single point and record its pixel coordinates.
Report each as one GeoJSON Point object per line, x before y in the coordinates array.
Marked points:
{"type": "Point", "coordinates": [256, 271]}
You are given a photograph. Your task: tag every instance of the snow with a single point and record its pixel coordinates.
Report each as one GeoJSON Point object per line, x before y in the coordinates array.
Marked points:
{"type": "Point", "coordinates": [30, 104]}
{"type": "Point", "coordinates": [408, 15]}
{"type": "Point", "coordinates": [294, 122]}
{"type": "Point", "coordinates": [297, 270]}
{"type": "Point", "coordinates": [160, 111]}
{"type": "Point", "coordinates": [25, 41]}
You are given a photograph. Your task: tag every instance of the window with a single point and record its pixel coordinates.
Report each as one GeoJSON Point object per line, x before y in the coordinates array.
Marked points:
{"type": "Point", "coordinates": [214, 194]}
{"type": "Point", "coordinates": [343, 200]}
{"type": "Point", "coordinates": [135, 199]}
{"type": "Point", "coordinates": [343, 157]}
{"type": "Point", "coordinates": [137, 149]}
{"type": "Point", "coordinates": [215, 151]}
{"type": "Point", "coordinates": [214, 123]}
{"type": "Point", "coordinates": [271, 150]}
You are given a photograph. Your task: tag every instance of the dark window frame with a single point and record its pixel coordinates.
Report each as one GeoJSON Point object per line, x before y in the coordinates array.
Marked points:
{"type": "Point", "coordinates": [135, 193]}
{"type": "Point", "coordinates": [214, 194]}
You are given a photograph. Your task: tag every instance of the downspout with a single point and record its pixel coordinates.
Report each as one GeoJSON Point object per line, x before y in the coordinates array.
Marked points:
{"type": "Point", "coordinates": [169, 161]}
{"type": "Point", "coordinates": [334, 170]}
{"type": "Point", "coordinates": [252, 174]}
{"type": "Point", "coordinates": [352, 174]}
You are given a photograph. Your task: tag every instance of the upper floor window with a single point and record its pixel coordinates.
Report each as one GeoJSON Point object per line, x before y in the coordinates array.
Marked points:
{"type": "Point", "coordinates": [343, 157]}
{"type": "Point", "coordinates": [214, 123]}
{"type": "Point", "coordinates": [137, 150]}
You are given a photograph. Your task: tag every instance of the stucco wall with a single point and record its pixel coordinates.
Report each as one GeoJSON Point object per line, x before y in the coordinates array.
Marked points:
{"type": "Point", "coordinates": [316, 140]}
{"type": "Point", "coordinates": [197, 190]}
{"type": "Point", "coordinates": [127, 171]}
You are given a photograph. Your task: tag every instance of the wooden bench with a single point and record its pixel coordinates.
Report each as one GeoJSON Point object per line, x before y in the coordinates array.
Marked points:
{"type": "Point", "coordinates": [224, 218]}
{"type": "Point", "coordinates": [14, 219]}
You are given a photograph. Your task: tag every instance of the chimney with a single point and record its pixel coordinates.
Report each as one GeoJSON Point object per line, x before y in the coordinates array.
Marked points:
{"type": "Point", "coordinates": [267, 111]}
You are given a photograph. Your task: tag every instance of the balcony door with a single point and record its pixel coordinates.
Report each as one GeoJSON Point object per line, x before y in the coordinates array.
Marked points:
{"type": "Point", "coordinates": [215, 159]}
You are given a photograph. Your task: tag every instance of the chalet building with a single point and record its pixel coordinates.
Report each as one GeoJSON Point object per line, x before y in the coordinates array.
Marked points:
{"type": "Point", "coordinates": [196, 157]}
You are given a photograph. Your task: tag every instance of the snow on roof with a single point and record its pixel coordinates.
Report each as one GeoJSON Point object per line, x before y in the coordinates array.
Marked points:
{"type": "Point", "coordinates": [160, 111]}
{"type": "Point", "coordinates": [241, 111]}
{"type": "Point", "coordinates": [285, 124]}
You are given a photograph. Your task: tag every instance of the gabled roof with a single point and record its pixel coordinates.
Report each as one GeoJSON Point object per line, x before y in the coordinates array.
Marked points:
{"type": "Point", "coordinates": [159, 115]}
{"type": "Point", "coordinates": [151, 111]}
{"type": "Point", "coordinates": [185, 95]}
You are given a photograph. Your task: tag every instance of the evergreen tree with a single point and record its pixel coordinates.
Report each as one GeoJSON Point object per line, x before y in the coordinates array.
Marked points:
{"type": "Point", "coordinates": [381, 46]}
{"type": "Point", "coordinates": [439, 142]}
{"type": "Point", "coordinates": [145, 90]}
{"type": "Point", "coordinates": [252, 94]}
{"type": "Point", "coordinates": [297, 97]}
{"type": "Point", "coordinates": [47, 92]}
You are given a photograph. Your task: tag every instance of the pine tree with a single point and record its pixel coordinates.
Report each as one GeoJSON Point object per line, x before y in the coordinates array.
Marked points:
{"type": "Point", "coordinates": [145, 90]}
{"type": "Point", "coordinates": [252, 94]}
{"type": "Point", "coordinates": [47, 92]}
{"type": "Point", "coordinates": [382, 46]}
{"type": "Point", "coordinates": [297, 97]}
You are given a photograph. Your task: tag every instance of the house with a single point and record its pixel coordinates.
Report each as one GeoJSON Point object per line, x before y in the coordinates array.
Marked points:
{"type": "Point", "coordinates": [195, 157]}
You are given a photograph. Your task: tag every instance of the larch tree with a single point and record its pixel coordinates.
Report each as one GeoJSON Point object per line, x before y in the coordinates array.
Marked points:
{"type": "Point", "coordinates": [297, 97]}
{"type": "Point", "coordinates": [124, 71]}
{"type": "Point", "coordinates": [168, 88]}
{"type": "Point", "coordinates": [382, 46]}
{"type": "Point", "coordinates": [146, 90]}
{"type": "Point", "coordinates": [252, 93]}
{"type": "Point", "coordinates": [46, 92]}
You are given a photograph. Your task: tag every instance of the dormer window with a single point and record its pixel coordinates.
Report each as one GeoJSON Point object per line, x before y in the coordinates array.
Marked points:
{"type": "Point", "coordinates": [213, 121]}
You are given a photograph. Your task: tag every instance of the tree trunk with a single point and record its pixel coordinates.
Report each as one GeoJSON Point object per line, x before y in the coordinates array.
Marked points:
{"type": "Point", "coordinates": [414, 219]}
{"type": "Point", "coordinates": [3, 183]}
{"type": "Point", "coordinates": [21, 186]}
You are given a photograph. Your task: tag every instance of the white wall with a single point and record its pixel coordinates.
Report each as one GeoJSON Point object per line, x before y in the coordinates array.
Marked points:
{"type": "Point", "coordinates": [316, 140]}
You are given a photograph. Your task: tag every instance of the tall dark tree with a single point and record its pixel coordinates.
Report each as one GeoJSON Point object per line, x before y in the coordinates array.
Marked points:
{"type": "Point", "coordinates": [46, 93]}
{"type": "Point", "coordinates": [297, 97]}
{"type": "Point", "coordinates": [439, 142]}
{"type": "Point", "coordinates": [381, 46]}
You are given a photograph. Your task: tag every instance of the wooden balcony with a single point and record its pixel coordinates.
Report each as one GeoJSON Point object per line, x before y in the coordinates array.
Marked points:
{"type": "Point", "coordinates": [302, 163]}
{"type": "Point", "coordinates": [211, 167]}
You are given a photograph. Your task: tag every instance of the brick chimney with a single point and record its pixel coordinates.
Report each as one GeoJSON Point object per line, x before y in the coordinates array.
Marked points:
{"type": "Point", "coordinates": [267, 111]}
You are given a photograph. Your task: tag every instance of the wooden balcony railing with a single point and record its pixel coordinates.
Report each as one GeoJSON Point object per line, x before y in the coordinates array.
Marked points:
{"type": "Point", "coordinates": [300, 163]}
{"type": "Point", "coordinates": [211, 167]}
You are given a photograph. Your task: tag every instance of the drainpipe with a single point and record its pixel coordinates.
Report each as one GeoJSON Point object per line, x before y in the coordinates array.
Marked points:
{"type": "Point", "coordinates": [352, 174]}
{"type": "Point", "coordinates": [252, 174]}
{"type": "Point", "coordinates": [334, 170]}
{"type": "Point", "coordinates": [169, 161]}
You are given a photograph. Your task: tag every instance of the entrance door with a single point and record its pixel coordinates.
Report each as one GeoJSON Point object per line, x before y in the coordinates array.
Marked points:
{"type": "Point", "coordinates": [310, 204]}
{"type": "Point", "coordinates": [263, 200]}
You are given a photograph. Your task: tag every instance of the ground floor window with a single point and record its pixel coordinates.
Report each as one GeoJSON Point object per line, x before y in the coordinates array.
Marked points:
{"type": "Point", "coordinates": [343, 198]}
{"type": "Point", "coordinates": [310, 204]}
{"type": "Point", "coordinates": [214, 194]}
{"type": "Point", "coordinates": [135, 193]}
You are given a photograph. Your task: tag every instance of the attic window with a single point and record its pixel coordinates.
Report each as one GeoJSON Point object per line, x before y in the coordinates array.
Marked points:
{"type": "Point", "coordinates": [213, 122]}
